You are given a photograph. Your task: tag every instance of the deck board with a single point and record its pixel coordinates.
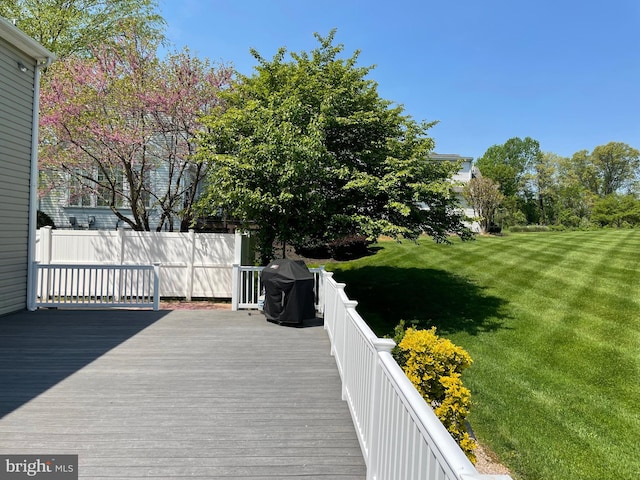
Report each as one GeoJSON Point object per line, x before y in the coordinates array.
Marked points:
{"type": "Point", "coordinates": [171, 394]}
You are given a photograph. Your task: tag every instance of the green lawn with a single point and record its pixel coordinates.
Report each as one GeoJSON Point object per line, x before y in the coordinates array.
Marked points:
{"type": "Point", "coordinates": [552, 321]}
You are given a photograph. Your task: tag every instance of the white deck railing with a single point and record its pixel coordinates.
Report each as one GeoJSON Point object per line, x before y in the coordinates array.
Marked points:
{"type": "Point", "coordinates": [400, 436]}
{"type": "Point", "coordinates": [246, 287]}
{"type": "Point", "coordinates": [95, 286]}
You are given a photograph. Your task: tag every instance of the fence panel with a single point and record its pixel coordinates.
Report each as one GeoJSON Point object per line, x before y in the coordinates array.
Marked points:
{"type": "Point", "coordinates": [193, 264]}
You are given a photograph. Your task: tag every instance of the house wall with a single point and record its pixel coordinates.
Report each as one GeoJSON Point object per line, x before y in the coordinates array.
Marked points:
{"type": "Point", "coordinates": [464, 175]}
{"type": "Point", "coordinates": [56, 204]}
{"type": "Point", "coordinates": [16, 115]}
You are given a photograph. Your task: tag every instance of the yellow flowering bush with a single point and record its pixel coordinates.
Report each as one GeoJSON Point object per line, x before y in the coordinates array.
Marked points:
{"type": "Point", "coordinates": [434, 365]}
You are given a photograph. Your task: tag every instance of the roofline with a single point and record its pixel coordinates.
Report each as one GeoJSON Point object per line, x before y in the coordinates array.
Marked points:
{"type": "Point", "coordinates": [448, 156]}
{"type": "Point", "coordinates": [25, 43]}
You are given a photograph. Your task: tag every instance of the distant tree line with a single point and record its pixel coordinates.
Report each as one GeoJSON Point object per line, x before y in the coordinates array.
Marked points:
{"type": "Point", "coordinates": [522, 185]}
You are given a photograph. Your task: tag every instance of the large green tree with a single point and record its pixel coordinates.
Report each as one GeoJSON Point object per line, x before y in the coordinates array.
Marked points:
{"type": "Point", "coordinates": [616, 210]}
{"type": "Point", "coordinates": [542, 186]}
{"type": "Point", "coordinates": [510, 165]}
{"type": "Point", "coordinates": [307, 151]}
{"type": "Point", "coordinates": [507, 164]}
{"type": "Point", "coordinates": [616, 165]}
{"type": "Point", "coordinates": [69, 27]}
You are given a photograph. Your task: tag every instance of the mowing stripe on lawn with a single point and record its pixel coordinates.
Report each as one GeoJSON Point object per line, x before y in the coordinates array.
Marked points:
{"type": "Point", "coordinates": [552, 321]}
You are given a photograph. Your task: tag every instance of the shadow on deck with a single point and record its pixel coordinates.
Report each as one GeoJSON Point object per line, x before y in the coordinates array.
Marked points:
{"type": "Point", "coordinates": [168, 394]}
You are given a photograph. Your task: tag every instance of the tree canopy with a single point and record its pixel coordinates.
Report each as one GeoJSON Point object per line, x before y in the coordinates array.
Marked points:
{"type": "Point", "coordinates": [68, 27]}
{"type": "Point", "coordinates": [121, 124]}
{"type": "Point", "coordinates": [507, 164]}
{"type": "Point", "coordinates": [307, 151]}
{"type": "Point", "coordinates": [616, 167]}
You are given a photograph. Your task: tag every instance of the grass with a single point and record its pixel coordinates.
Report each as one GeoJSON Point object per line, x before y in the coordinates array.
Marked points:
{"type": "Point", "coordinates": [552, 321]}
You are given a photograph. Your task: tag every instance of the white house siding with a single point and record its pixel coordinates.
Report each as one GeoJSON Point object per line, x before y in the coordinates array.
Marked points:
{"type": "Point", "coordinates": [463, 176]}
{"type": "Point", "coordinates": [16, 103]}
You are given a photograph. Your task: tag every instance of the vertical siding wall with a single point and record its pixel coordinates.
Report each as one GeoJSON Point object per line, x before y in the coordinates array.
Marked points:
{"type": "Point", "coordinates": [16, 115]}
{"type": "Point", "coordinates": [191, 264]}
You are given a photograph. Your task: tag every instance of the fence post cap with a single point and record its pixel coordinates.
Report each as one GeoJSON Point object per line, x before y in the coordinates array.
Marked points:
{"type": "Point", "coordinates": [384, 344]}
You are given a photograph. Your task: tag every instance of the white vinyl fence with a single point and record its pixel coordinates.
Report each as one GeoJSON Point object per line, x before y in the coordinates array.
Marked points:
{"type": "Point", "coordinates": [192, 265]}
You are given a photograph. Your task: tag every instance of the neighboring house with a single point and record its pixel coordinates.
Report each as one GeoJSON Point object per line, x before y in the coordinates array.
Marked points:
{"type": "Point", "coordinates": [465, 174]}
{"type": "Point", "coordinates": [21, 59]}
{"type": "Point", "coordinates": [71, 206]}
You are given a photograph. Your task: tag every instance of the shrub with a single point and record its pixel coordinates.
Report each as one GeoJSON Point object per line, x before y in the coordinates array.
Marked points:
{"type": "Point", "coordinates": [45, 220]}
{"type": "Point", "coordinates": [434, 365]}
{"type": "Point", "coordinates": [494, 229]}
{"type": "Point", "coordinates": [314, 250]}
{"type": "Point", "coordinates": [349, 247]}
{"type": "Point", "coordinates": [529, 228]}
{"type": "Point", "coordinates": [344, 248]}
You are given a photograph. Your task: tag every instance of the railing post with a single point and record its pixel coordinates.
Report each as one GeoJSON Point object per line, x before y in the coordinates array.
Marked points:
{"type": "Point", "coordinates": [45, 245]}
{"type": "Point", "coordinates": [189, 273]}
{"type": "Point", "coordinates": [380, 345]}
{"type": "Point", "coordinates": [320, 289]}
{"type": "Point", "coordinates": [237, 247]}
{"type": "Point", "coordinates": [235, 287]}
{"type": "Point", "coordinates": [348, 305]}
{"type": "Point", "coordinates": [32, 290]}
{"type": "Point", "coordinates": [156, 286]}
{"type": "Point", "coordinates": [338, 287]}
{"type": "Point", "coordinates": [325, 286]}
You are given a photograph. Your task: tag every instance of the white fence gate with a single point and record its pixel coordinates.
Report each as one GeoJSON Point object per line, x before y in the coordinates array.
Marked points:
{"type": "Point", "coordinates": [191, 264]}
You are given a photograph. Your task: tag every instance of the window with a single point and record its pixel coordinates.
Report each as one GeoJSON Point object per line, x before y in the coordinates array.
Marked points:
{"type": "Point", "coordinates": [79, 194]}
{"type": "Point", "coordinates": [104, 191]}
{"type": "Point", "coordinates": [84, 192]}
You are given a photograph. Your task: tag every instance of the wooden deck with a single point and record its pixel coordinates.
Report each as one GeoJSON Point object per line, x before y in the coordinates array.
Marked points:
{"type": "Point", "coordinates": [171, 394]}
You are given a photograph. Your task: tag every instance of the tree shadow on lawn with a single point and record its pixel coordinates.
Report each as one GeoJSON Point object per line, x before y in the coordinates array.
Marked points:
{"type": "Point", "coordinates": [422, 297]}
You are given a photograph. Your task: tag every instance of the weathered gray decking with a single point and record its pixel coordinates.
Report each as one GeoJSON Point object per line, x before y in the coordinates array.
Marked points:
{"type": "Point", "coordinates": [172, 394]}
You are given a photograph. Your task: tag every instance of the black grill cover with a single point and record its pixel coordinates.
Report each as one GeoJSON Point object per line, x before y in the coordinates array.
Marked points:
{"type": "Point", "coordinates": [289, 297]}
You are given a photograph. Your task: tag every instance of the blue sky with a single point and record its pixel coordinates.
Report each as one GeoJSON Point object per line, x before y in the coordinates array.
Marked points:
{"type": "Point", "coordinates": [564, 72]}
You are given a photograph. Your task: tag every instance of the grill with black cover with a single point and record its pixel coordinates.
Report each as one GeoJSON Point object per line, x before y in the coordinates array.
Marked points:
{"type": "Point", "coordinates": [289, 292]}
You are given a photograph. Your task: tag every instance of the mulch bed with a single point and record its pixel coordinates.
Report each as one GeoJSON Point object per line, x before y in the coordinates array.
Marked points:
{"type": "Point", "coordinates": [193, 305]}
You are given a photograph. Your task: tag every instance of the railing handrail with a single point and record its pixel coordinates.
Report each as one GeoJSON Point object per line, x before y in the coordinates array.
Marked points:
{"type": "Point", "coordinates": [114, 266]}
{"type": "Point", "coordinates": [342, 320]}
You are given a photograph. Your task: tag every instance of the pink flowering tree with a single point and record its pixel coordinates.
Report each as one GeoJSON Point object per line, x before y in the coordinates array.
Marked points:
{"type": "Point", "coordinates": [120, 126]}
